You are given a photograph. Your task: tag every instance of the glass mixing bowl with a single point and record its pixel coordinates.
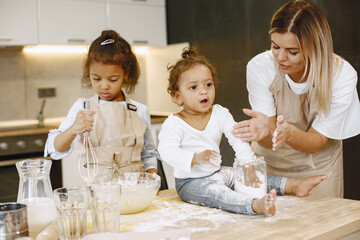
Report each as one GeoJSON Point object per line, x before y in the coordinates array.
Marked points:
{"type": "Point", "coordinates": [138, 190]}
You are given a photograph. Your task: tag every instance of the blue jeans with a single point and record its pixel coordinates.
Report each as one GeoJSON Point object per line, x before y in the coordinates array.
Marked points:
{"type": "Point", "coordinates": [217, 191]}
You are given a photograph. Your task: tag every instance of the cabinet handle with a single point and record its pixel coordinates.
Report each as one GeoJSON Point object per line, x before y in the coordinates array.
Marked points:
{"type": "Point", "coordinates": [8, 163]}
{"type": "Point", "coordinates": [5, 39]}
{"type": "Point", "coordinates": [140, 41]}
{"type": "Point", "coordinates": [76, 40]}
{"type": "Point", "coordinates": [139, 0]}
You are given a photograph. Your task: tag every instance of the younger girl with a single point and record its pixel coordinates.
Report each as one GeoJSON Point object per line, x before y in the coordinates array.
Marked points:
{"type": "Point", "coordinates": [120, 127]}
{"type": "Point", "coordinates": [189, 141]}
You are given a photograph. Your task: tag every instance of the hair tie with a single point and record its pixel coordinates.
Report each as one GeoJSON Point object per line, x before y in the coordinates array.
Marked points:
{"type": "Point", "coordinates": [107, 41]}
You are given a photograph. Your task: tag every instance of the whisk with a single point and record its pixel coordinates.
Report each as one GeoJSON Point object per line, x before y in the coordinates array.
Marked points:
{"type": "Point", "coordinates": [88, 163]}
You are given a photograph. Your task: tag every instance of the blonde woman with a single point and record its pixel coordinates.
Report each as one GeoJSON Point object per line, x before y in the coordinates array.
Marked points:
{"type": "Point", "coordinates": [303, 98]}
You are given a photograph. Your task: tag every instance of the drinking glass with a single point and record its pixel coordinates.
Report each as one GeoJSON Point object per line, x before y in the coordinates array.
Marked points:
{"type": "Point", "coordinates": [105, 206]}
{"type": "Point", "coordinates": [71, 208]}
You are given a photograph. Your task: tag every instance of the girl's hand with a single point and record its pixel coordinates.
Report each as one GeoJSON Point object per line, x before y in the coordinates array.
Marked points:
{"type": "Point", "coordinates": [152, 170]}
{"type": "Point", "coordinates": [253, 129]}
{"type": "Point", "coordinates": [83, 122]}
{"type": "Point", "coordinates": [207, 157]}
{"type": "Point", "coordinates": [282, 133]}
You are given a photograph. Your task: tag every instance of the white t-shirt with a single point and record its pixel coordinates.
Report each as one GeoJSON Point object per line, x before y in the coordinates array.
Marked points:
{"type": "Point", "coordinates": [178, 142]}
{"type": "Point", "coordinates": [148, 155]}
{"type": "Point", "coordinates": [342, 120]}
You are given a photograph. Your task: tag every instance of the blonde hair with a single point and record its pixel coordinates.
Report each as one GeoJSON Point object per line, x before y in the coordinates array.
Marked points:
{"type": "Point", "coordinates": [307, 22]}
{"type": "Point", "coordinates": [189, 58]}
{"type": "Point", "coordinates": [116, 52]}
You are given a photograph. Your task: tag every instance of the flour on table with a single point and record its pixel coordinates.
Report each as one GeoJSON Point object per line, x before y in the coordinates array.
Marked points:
{"type": "Point", "coordinates": [166, 214]}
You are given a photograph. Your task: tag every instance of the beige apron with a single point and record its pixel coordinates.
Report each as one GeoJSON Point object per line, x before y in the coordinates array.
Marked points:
{"type": "Point", "coordinates": [117, 137]}
{"type": "Point", "coordinates": [300, 111]}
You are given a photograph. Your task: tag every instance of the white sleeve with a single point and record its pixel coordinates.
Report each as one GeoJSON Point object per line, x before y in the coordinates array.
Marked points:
{"type": "Point", "coordinates": [170, 139]}
{"type": "Point", "coordinates": [260, 73]}
{"type": "Point", "coordinates": [149, 154]}
{"type": "Point", "coordinates": [342, 120]}
{"type": "Point", "coordinates": [68, 121]}
{"type": "Point", "coordinates": [242, 149]}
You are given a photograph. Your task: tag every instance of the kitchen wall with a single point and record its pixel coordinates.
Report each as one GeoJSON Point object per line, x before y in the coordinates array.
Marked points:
{"type": "Point", "coordinates": [229, 33]}
{"type": "Point", "coordinates": [21, 74]}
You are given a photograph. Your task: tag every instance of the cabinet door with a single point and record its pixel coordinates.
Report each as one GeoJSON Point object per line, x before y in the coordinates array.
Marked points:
{"type": "Point", "coordinates": [71, 21]}
{"type": "Point", "coordinates": [139, 24]}
{"type": "Point", "coordinates": [18, 22]}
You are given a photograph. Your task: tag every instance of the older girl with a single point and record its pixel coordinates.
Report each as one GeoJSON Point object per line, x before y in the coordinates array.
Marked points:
{"type": "Point", "coordinates": [120, 127]}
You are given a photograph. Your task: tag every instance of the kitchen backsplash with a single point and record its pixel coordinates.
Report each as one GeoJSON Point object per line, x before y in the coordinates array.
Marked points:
{"type": "Point", "coordinates": [21, 74]}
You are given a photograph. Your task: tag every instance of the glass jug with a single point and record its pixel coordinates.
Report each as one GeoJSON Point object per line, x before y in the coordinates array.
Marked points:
{"type": "Point", "coordinates": [35, 191]}
{"type": "Point", "coordinates": [250, 177]}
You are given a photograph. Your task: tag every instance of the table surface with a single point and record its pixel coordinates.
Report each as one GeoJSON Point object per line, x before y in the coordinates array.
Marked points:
{"type": "Point", "coordinates": [311, 217]}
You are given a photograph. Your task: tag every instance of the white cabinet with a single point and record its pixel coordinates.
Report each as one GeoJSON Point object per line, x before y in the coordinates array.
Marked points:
{"type": "Point", "coordinates": [27, 22]}
{"type": "Point", "coordinates": [168, 170]}
{"type": "Point", "coordinates": [18, 22]}
{"type": "Point", "coordinates": [139, 22]}
{"type": "Point", "coordinates": [71, 21]}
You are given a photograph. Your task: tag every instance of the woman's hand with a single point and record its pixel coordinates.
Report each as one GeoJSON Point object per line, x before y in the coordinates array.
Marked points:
{"type": "Point", "coordinates": [207, 157]}
{"type": "Point", "coordinates": [253, 129]}
{"type": "Point", "coordinates": [282, 133]}
{"type": "Point", "coordinates": [83, 122]}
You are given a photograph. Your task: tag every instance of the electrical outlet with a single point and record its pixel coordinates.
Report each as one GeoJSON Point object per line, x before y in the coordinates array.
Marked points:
{"type": "Point", "coordinates": [47, 92]}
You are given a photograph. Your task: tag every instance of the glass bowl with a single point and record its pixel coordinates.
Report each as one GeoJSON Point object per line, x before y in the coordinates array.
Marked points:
{"type": "Point", "coordinates": [138, 190]}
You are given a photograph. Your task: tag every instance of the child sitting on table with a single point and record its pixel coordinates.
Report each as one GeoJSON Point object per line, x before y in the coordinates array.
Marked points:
{"type": "Point", "coordinates": [189, 141]}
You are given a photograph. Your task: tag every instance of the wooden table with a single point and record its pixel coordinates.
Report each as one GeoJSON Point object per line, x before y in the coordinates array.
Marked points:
{"type": "Point", "coordinates": [312, 217]}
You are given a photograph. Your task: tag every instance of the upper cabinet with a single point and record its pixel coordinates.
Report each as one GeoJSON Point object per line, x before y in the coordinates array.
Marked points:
{"type": "Point", "coordinates": [71, 21]}
{"type": "Point", "coordinates": [140, 22]}
{"type": "Point", "coordinates": [18, 22]}
{"type": "Point", "coordinates": [27, 22]}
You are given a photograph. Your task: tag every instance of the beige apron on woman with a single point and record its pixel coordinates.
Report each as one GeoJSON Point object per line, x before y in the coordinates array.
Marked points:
{"type": "Point", "coordinates": [117, 136]}
{"type": "Point", "coordinates": [300, 111]}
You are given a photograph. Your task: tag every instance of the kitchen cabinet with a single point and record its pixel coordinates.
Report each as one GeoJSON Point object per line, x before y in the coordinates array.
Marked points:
{"type": "Point", "coordinates": [71, 21]}
{"type": "Point", "coordinates": [18, 22]}
{"type": "Point", "coordinates": [139, 22]}
{"type": "Point", "coordinates": [168, 170]}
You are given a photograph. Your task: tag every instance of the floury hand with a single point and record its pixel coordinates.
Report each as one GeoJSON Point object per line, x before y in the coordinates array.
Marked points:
{"type": "Point", "coordinates": [207, 157]}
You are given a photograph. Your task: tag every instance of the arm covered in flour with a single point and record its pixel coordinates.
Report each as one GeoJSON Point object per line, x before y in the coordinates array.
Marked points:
{"type": "Point", "coordinates": [242, 149]}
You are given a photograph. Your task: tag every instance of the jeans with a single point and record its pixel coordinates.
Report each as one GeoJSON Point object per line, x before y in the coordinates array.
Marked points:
{"type": "Point", "coordinates": [217, 191]}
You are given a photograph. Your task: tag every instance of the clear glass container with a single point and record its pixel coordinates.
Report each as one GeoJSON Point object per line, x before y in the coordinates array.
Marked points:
{"type": "Point", "coordinates": [36, 192]}
{"type": "Point", "coordinates": [250, 176]}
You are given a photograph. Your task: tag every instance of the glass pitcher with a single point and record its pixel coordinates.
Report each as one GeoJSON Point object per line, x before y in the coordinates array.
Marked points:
{"type": "Point", "coordinates": [250, 176]}
{"type": "Point", "coordinates": [35, 191]}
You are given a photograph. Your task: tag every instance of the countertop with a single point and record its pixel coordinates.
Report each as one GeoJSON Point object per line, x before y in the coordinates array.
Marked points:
{"type": "Point", "coordinates": [311, 217]}
{"type": "Point", "coordinates": [29, 127]}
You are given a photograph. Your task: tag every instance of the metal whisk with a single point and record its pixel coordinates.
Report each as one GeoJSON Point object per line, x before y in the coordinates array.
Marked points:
{"type": "Point", "coordinates": [88, 163]}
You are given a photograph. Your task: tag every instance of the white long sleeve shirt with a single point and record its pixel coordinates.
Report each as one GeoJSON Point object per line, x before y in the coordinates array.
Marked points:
{"type": "Point", "coordinates": [178, 142]}
{"type": "Point", "coordinates": [342, 120]}
{"type": "Point", "coordinates": [149, 154]}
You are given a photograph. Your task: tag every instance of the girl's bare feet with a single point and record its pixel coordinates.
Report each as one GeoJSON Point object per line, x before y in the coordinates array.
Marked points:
{"type": "Point", "coordinates": [266, 204]}
{"type": "Point", "coordinates": [302, 187]}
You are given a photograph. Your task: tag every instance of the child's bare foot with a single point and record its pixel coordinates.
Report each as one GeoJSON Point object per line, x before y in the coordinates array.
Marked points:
{"type": "Point", "coordinates": [266, 204]}
{"type": "Point", "coordinates": [302, 187]}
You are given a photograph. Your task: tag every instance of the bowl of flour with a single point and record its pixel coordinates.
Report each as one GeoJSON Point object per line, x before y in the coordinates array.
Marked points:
{"type": "Point", "coordinates": [138, 190]}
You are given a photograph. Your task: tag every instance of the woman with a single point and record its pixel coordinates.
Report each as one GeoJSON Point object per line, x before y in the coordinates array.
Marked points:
{"type": "Point", "coordinates": [303, 98]}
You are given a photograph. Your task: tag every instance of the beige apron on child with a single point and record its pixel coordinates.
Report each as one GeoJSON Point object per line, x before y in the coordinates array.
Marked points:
{"type": "Point", "coordinates": [300, 111]}
{"type": "Point", "coordinates": [117, 136]}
